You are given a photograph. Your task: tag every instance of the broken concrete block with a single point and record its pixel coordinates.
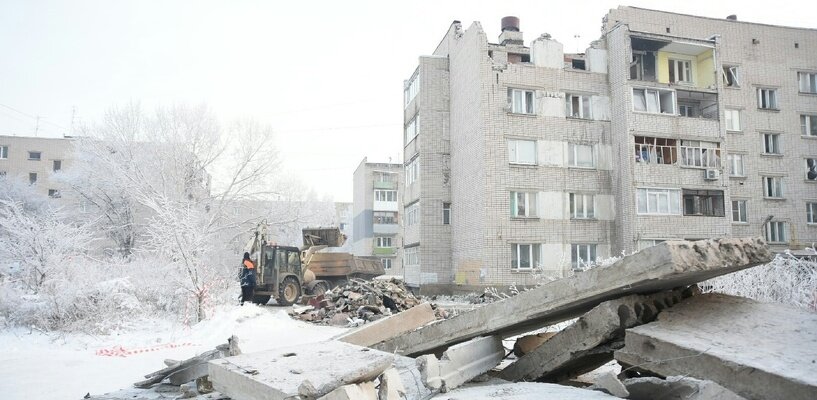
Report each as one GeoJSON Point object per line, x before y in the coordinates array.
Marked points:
{"type": "Point", "coordinates": [462, 362]}
{"type": "Point", "coordinates": [609, 383]}
{"type": "Point", "coordinates": [188, 374]}
{"type": "Point", "coordinates": [677, 388]}
{"type": "Point", "coordinates": [411, 377]}
{"type": "Point", "coordinates": [390, 327]}
{"type": "Point", "coordinates": [590, 341]}
{"type": "Point", "coordinates": [310, 370]}
{"type": "Point", "coordinates": [360, 391]}
{"type": "Point", "coordinates": [523, 391]}
{"type": "Point", "coordinates": [756, 350]}
{"type": "Point", "coordinates": [664, 266]}
{"type": "Point", "coordinates": [391, 386]}
{"type": "Point", "coordinates": [527, 343]}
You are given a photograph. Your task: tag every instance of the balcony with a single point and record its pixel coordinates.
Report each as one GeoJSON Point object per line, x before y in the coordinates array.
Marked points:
{"type": "Point", "coordinates": [384, 185]}
{"type": "Point", "coordinates": [681, 63]}
{"type": "Point", "coordinates": [384, 251]}
{"type": "Point", "coordinates": [388, 229]}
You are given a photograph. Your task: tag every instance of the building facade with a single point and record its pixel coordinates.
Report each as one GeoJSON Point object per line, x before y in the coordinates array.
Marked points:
{"type": "Point", "coordinates": [376, 222]}
{"type": "Point", "coordinates": [35, 160]}
{"type": "Point", "coordinates": [525, 163]}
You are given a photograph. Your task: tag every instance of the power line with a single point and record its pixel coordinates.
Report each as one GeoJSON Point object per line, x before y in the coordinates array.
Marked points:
{"type": "Point", "coordinates": [36, 118]}
{"type": "Point", "coordinates": [337, 128]}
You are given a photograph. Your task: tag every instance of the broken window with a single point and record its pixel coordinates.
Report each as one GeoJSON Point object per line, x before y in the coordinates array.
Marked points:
{"type": "Point", "coordinates": [680, 71]}
{"type": "Point", "coordinates": [808, 82]}
{"type": "Point", "coordinates": [523, 204]}
{"type": "Point", "coordinates": [577, 106]}
{"type": "Point", "coordinates": [697, 104]}
{"type": "Point", "coordinates": [808, 125]}
{"type": "Point", "coordinates": [811, 212]}
{"type": "Point", "coordinates": [582, 254]}
{"type": "Point", "coordinates": [773, 187]}
{"type": "Point", "coordinates": [657, 201]}
{"type": "Point", "coordinates": [581, 206]}
{"type": "Point", "coordinates": [525, 256]}
{"type": "Point", "coordinates": [736, 165]}
{"type": "Point", "coordinates": [732, 120]}
{"type": "Point", "coordinates": [411, 130]}
{"type": "Point", "coordinates": [811, 169]}
{"type": "Point", "coordinates": [776, 232]}
{"type": "Point", "coordinates": [767, 98]}
{"type": "Point", "coordinates": [522, 151]}
{"type": "Point", "coordinates": [697, 153]}
{"type": "Point", "coordinates": [642, 66]}
{"type": "Point", "coordinates": [578, 63]}
{"type": "Point", "coordinates": [739, 211]}
{"type": "Point", "coordinates": [581, 155]}
{"type": "Point", "coordinates": [654, 101]}
{"type": "Point", "coordinates": [707, 203]}
{"type": "Point", "coordinates": [730, 76]}
{"type": "Point", "coordinates": [771, 143]}
{"type": "Point", "coordinates": [652, 150]}
{"type": "Point", "coordinates": [520, 101]}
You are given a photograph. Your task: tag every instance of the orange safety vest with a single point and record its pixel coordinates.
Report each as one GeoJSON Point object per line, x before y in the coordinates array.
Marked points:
{"type": "Point", "coordinates": [249, 264]}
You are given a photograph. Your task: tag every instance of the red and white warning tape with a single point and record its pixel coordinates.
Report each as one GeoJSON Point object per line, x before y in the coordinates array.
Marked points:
{"type": "Point", "coordinates": [119, 351]}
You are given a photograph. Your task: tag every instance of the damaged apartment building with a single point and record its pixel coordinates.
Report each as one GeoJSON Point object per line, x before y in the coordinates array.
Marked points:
{"type": "Point", "coordinates": [525, 163]}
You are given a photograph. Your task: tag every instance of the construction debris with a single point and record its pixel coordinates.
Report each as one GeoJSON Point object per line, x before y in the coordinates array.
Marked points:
{"type": "Point", "coordinates": [757, 350]}
{"type": "Point", "coordinates": [192, 368]}
{"type": "Point", "coordinates": [524, 391]}
{"type": "Point", "coordinates": [664, 266]}
{"type": "Point", "coordinates": [461, 363]}
{"type": "Point", "coordinates": [390, 326]}
{"type": "Point", "coordinates": [677, 388]}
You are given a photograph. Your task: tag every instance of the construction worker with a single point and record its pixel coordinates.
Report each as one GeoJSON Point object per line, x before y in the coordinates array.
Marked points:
{"type": "Point", "coordinates": [247, 279]}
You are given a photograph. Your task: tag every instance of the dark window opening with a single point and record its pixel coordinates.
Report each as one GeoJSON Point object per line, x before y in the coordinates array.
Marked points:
{"type": "Point", "coordinates": [54, 193]}
{"type": "Point", "coordinates": [642, 65]}
{"type": "Point", "coordinates": [703, 202]}
{"type": "Point", "coordinates": [57, 165]}
{"type": "Point", "coordinates": [32, 178]}
{"type": "Point", "coordinates": [578, 64]}
{"type": "Point", "coordinates": [697, 104]}
{"type": "Point", "coordinates": [652, 150]}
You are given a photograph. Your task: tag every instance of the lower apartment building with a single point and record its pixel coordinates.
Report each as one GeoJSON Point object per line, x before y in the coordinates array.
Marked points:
{"type": "Point", "coordinates": [36, 160]}
{"type": "Point", "coordinates": [376, 221]}
{"type": "Point", "coordinates": [526, 163]}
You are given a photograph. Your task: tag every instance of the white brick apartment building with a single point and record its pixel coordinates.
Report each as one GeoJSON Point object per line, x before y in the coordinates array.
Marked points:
{"type": "Point", "coordinates": [523, 158]}
{"type": "Point", "coordinates": [35, 160]}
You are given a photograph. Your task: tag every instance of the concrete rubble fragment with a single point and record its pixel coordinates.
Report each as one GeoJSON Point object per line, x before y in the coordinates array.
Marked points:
{"type": "Point", "coordinates": [661, 267]}
{"type": "Point", "coordinates": [185, 371]}
{"type": "Point", "coordinates": [523, 391]}
{"type": "Point", "coordinates": [609, 383]}
{"type": "Point", "coordinates": [391, 386]}
{"type": "Point", "coordinates": [527, 343]}
{"type": "Point", "coordinates": [391, 326]}
{"type": "Point", "coordinates": [359, 391]}
{"type": "Point", "coordinates": [757, 350]}
{"type": "Point", "coordinates": [677, 388]}
{"type": "Point", "coordinates": [461, 363]}
{"type": "Point", "coordinates": [589, 342]}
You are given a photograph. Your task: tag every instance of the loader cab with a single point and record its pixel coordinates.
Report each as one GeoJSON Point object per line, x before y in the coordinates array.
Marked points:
{"type": "Point", "coordinates": [277, 263]}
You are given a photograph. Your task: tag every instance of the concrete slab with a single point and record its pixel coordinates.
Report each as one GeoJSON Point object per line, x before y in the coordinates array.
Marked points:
{"type": "Point", "coordinates": [310, 371]}
{"type": "Point", "coordinates": [523, 391]}
{"type": "Point", "coordinates": [661, 267]}
{"type": "Point", "coordinates": [360, 391]}
{"type": "Point", "coordinates": [391, 386]}
{"type": "Point", "coordinates": [754, 349]}
{"type": "Point", "coordinates": [461, 363]}
{"type": "Point", "coordinates": [411, 377]}
{"type": "Point", "coordinates": [677, 388]}
{"type": "Point", "coordinates": [589, 342]}
{"type": "Point", "coordinates": [608, 382]}
{"type": "Point", "coordinates": [390, 327]}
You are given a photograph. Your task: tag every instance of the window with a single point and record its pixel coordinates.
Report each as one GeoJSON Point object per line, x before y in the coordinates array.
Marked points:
{"type": "Point", "coordinates": [412, 214]}
{"type": "Point", "coordinates": [771, 143]}
{"type": "Point", "coordinates": [446, 213]}
{"type": "Point", "coordinates": [387, 263]}
{"type": "Point", "coordinates": [577, 106]}
{"type": "Point", "coordinates": [523, 204]}
{"type": "Point", "coordinates": [680, 71]}
{"type": "Point", "coordinates": [581, 155]}
{"type": "Point", "coordinates": [581, 206]}
{"type": "Point", "coordinates": [732, 120]}
{"type": "Point", "coordinates": [525, 256]}
{"type": "Point", "coordinates": [736, 165]}
{"type": "Point", "coordinates": [645, 243]}
{"type": "Point", "coordinates": [811, 212]}
{"type": "Point", "coordinates": [4, 152]}
{"type": "Point", "coordinates": [413, 171]}
{"type": "Point", "coordinates": [35, 155]}
{"type": "Point", "coordinates": [642, 67]}
{"type": "Point", "coordinates": [767, 99]}
{"type": "Point", "coordinates": [522, 151]}
{"type": "Point", "coordinates": [654, 101]}
{"type": "Point", "coordinates": [697, 104]}
{"type": "Point", "coordinates": [773, 187]}
{"type": "Point", "coordinates": [383, 241]}
{"type": "Point", "coordinates": [582, 254]}
{"type": "Point", "coordinates": [731, 78]}
{"type": "Point", "coordinates": [411, 88]}
{"type": "Point", "coordinates": [808, 125]}
{"type": "Point", "coordinates": [703, 202]}
{"type": "Point", "coordinates": [808, 82]}
{"type": "Point", "coordinates": [410, 256]}
{"type": "Point", "coordinates": [739, 211]}
{"type": "Point", "coordinates": [380, 176]}
{"type": "Point", "coordinates": [411, 129]}
{"type": "Point", "coordinates": [57, 165]}
{"type": "Point", "coordinates": [696, 153]}
{"type": "Point", "coordinates": [385, 195]}
{"type": "Point", "coordinates": [520, 101]}
{"type": "Point", "coordinates": [811, 169]}
{"type": "Point", "coordinates": [776, 232]}
{"type": "Point", "coordinates": [656, 201]}
{"type": "Point", "coordinates": [384, 217]}
{"type": "Point", "coordinates": [32, 178]}
{"type": "Point", "coordinates": [54, 193]}
{"type": "Point", "coordinates": [655, 150]}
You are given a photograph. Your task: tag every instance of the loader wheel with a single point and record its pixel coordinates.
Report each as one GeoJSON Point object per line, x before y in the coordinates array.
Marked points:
{"type": "Point", "coordinates": [260, 299]}
{"type": "Point", "coordinates": [289, 291]}
{"type": "Point", "coordinates": [320, 288]}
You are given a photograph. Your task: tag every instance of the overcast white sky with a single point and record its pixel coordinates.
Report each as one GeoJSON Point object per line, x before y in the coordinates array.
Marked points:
{"type": "Point", "coordinates": [327, 75]}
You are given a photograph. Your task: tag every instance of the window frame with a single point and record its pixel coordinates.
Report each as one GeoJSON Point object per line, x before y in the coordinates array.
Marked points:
{"type": "Point", "coordinates": [534, 253]}
{"type": "Point", "coordinates": [731, 158]}
{"type": "Point", "coordinates": [387, 263]}
{"type": "Point", "coordinates": [530, 207]}
{"type": "Point", "coordinates": [412, 214]}
{"type": "Point", "coordinates": [4, 152]}
{"type": "Point", "coordinates": [38, 153]}
{"type": "Point", "coordinates": [585, 211]}
{"type": "Point", "coordinates": [673, 199]}
{"type": "Point", "coordinates": [810, 82]}
{"type": "Point", "coordinates": [733, 70]}
{"type": "Point", "coordinates": [808, 125]}
{"type": "Point", "coordinates": [705, 203]}
{"type": "Point", "coordinates": [573, 155]}
{"type": "Point", "coordinates": [385, 194]}
{"type": "Point", "coordinates": [696, 154]}
{"type": "Point", "coordinates": [412, 171]}
{"type": "Point", "coordinates": [411, 256]}
{"type": "Point", "coordinates": [773, 187]}
{"type": "Point", "coordinates": [446, 213]}
{"type": "Point", "coordinates": [513, 152]}
{"type": "Point", "coordinates": [673, 68]}
{"type": "Point", "coordinates": [411, 129]}
{"type": "Point", "coordinates": [731, 121]}
{"type": "Point", "coordinates": [411, 88]}
{"type": "Point", "coordinates": [590, 250]}
{"type": "Point", "coordinates": [384, 242]}
{"type": "Point", "coordinates": [811, 170]}
{"type": "Point", "coordinates": [811, 212]}
{"type": "Point", "coordinates": [33, 177]}
{"type": "Point", "coordinates": [657, 97]}
{"type": "Point", "coordinates": [776, 232]}
{"type": "Point", "coordinates": [528, 99]}
{"type": "Point", "coordinates": [741, 206]}
{"type": "Point", "coordinates": [767, 99]}
{"type": "Point", "coordinates": [585, 106]}
{"type": "Point", "coordinates": [385, 217]}
{"type": "Point", "coordinates": [771, 143]}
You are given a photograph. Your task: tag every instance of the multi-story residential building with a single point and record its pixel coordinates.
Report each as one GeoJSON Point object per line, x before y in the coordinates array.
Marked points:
{"type": "Point", "coordinates": [376, 225]}
{"type": "Point", "coordinates": [524, 162]}
{"type": "Point", "coordinates": [343, 217]}
{"type": "Point", "coordinates": [35, 160]}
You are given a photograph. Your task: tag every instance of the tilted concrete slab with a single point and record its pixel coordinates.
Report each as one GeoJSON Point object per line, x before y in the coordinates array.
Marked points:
{"type": "Point", "coordinates": [677, 388]}
{"type": "Point", "coordinates": [523, 391]}
{"type": "Point", "coordinates": [585, 345]}
{"type": "Point", "coordinates": [461, 363]}
{"type": "Point", "coordinates": [661, 267]}
{"type": "Point", "coordinates": [390, 327]}
{"type": "Point", "coordinates": [310, 371]}
{"type": "Point", "coordinates": [757, 350]}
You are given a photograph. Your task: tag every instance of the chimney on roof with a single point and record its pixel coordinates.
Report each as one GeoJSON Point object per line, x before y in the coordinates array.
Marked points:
{"type": "Point", "coordinates": [510, 32]}
{"type": "Point", "coordinates": [732, 17]}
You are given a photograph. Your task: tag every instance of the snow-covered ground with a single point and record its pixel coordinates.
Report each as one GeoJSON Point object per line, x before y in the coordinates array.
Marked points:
{"type": "Point", "coordinates": [34, 365]}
